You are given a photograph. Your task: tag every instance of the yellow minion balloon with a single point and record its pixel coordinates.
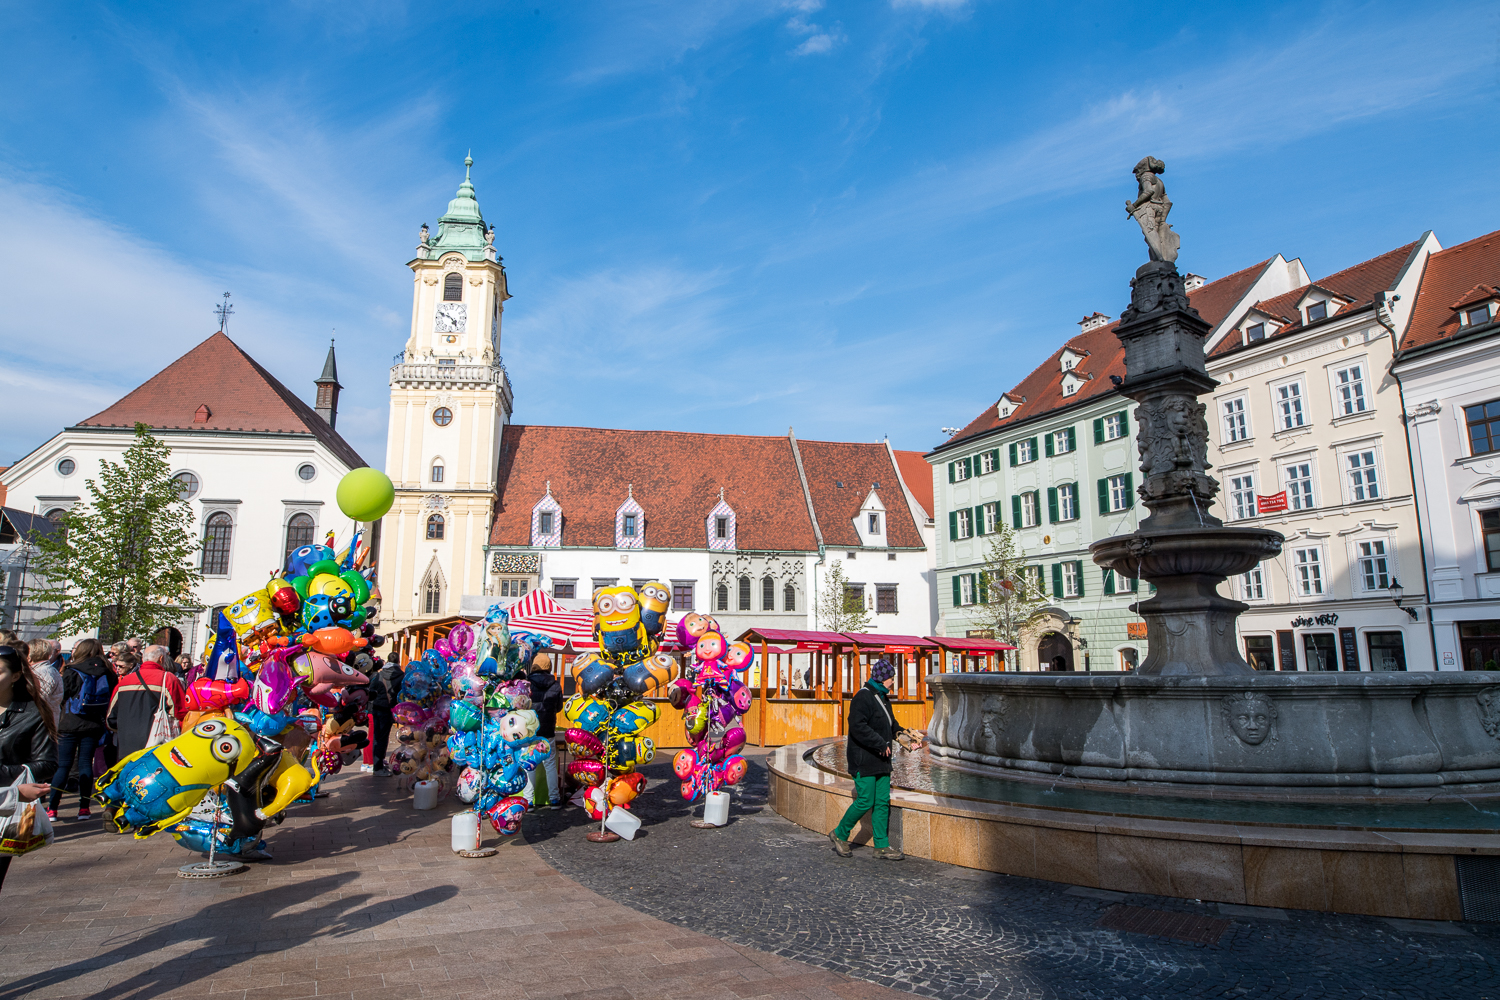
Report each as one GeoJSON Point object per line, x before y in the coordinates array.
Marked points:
{"type": "Point", "coordinates": [154, 788]}
{"type": "Point", "coordinates": [656, 598]}
{"type": "Point", "coordinates": [617, 620]}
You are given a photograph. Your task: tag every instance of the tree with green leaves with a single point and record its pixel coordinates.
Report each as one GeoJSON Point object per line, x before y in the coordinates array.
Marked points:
{"type": "Point", "coordinates": [122, 562]}
{"type": "Point", "coordinates": [839, 608]}
{"type": "Point", "coordinates": [1010, 594]}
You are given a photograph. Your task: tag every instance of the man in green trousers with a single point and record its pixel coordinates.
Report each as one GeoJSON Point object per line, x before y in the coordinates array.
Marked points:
{"type": "Point", "coordinates": [872, 728]}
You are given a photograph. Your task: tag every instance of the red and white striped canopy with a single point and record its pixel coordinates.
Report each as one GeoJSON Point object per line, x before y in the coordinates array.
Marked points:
{"type": "Point", "coordinates": [538, 612]}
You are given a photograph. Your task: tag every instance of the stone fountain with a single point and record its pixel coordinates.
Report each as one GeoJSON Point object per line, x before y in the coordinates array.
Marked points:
{"type": "Point", "coordinates": [1195, 775]}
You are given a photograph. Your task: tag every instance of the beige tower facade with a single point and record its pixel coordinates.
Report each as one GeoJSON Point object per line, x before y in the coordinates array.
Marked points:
{"type": "Point", "coordinates": [450, 398]}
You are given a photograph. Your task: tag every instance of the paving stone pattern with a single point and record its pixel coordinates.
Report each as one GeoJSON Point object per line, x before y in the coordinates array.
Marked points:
{"type": "Point", "coordinates": [364, 901]}
{"type": "Point", "coordinates": [941, 931]}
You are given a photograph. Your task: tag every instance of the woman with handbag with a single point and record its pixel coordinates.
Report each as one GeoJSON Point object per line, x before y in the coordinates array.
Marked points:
{"type": "Point", "coordinates": [28, 741]}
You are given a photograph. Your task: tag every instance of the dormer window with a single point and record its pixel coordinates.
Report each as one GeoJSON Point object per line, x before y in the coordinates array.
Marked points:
{"type": "Point", "coordinates": [546, 522]}
{"type": "Point", "coordinates": [1254, 332]}
{"type": "Point", "coordinates": [874, 524]}
{"type": "Point", "coordinates": [1071, 382]}
{"type": "Point", "coordinates": [1317, 311]}
{"type": "Point", "coordinates": [1477, 315]}
{"type": "Point", "coordinates": [720, 527]}
{"type": "Point", "coordinates": [1008, 405]}
{"type": "Point", "coordinates": [630, 523]}
{"type": "Point", "coordinates": [1093, 321]}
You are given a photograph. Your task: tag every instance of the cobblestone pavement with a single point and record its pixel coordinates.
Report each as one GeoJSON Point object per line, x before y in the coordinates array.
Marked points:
{"type": "Point", "coordinates": [364, 901]}
{"type": "Point", "coordinates": [942, 931]}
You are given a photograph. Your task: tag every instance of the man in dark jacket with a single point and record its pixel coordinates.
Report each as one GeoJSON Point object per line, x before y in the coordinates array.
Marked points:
{"type": "Point", "coordinates": [546, 702]}
{"type": "Point", "coordinates": [872, 727]}
{"type": "Point", "coordinates": [88, 683]}
{"type": "Point", "coordinates": [132, 708]}
{"type": "Point", "coordinates": [385, 692]}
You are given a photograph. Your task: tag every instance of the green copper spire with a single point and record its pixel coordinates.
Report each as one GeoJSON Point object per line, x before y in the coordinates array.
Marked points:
{"type": "Point", "coordinates": [462, 227]}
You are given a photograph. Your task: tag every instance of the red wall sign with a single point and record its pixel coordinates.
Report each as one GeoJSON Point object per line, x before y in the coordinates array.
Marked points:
{"type": "Point", "coordinates": [1271, 504]}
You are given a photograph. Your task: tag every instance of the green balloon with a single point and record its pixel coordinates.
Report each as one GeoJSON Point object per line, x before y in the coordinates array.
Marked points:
{"type": "Point", "coordinates": [366, 494]}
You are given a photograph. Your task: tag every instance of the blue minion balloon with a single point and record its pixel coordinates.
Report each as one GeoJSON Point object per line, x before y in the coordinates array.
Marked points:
{"type": "Point", "coordinates": [155, 788]}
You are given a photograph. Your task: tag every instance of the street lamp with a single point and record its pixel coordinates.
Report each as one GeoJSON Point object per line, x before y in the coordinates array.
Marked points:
{"type": "Point", "coordinates": [1397, 591]}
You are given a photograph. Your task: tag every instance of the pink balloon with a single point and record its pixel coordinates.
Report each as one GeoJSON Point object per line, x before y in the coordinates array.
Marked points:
{"type": "Point", "coordinates": [461, 638]}
{"type": "Point", "coordinates": [443, 649]}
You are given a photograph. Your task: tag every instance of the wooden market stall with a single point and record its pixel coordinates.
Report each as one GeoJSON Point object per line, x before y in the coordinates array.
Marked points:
{"type": "Point", "coordinates": [970, 655]}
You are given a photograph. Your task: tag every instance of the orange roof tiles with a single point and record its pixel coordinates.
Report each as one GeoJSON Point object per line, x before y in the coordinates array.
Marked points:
{"type": "Point", "coordinates": [238, 393]}
{"type": "Point", "coordinates": [676, 478]}
{"type": "Point", "coordinates": [1356, 286]}
{"type": "Point", "coordinates": [1042, 389]}
{"type": "Point", "coordinates": [1442, 291]}
{"type": "Point", "coordinates": [918, 476]}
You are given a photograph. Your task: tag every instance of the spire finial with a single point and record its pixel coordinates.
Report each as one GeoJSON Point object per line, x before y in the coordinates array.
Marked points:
{"type": "Point", "coordinates": [721, 494]}
{"type": "Point", "coordinates": [468, 162]}
{"type": "Point", "coordinates": [630, 491]}
{"type": "Point", "coordinates": [549, 487]}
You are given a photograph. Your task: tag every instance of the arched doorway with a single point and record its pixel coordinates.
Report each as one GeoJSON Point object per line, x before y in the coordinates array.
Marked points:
{"type": "Point", "coordinates": [1054, 652]}
{"type": "Point", "coordinates": [171, 638]}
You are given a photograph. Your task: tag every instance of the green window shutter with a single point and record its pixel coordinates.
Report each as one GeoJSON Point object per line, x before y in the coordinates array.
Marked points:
{"type": "Point", "coordinates": [953, 526]}
{"type": "Point", "coordinates": [1015, 510]}
{"type": "Point", "coordinates": [950, 472]}
{"type": "Point", "coordinates": [958, 591]}
{"type": "Point", "coordinates": [1072, 439]}
{"type": "Point", "coordinates": [1099, 430]}
{"type": "Point", "coordinates": [1104, 496]}
{"type": "Point", "coordinates": [979, 520]}
{"type": "Point", "coordinates": [995, 459]}
{"type": "Point", "coordinates": [1109, 582]}
{"type": "Point", "coordinates": [1051, 505]}
{"type": "Point", "coordinates": [1129, 490]}
{"type": "Point", "coordinates": [982, 588]}
{"type": "Point", "coordinates": [1048, 441]}
{"type": "Point", "coordinates": [1057, 579]}
{"type": "Point", "coordinates": [1078, 574]}
{"type": "Point", "coordinates": [1125, 423]}
{"type": "Point", "coordinates": [1033, 449]}
{"type": "Point", "coordinates": [1013, 455]}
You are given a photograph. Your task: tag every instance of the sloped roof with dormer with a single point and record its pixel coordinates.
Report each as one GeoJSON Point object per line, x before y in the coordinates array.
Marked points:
{"type": "Point", "coordinates": [1459, 276]}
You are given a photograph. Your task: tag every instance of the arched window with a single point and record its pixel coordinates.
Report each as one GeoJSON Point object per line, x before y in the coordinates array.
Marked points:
{"type": "Point", "coordinates": [299, 532]}
{"type": "Point", "coordinates": [432, 593]}
{"type": "Point", "coordinates": [435, 526]}
{"type": "Point", "coordinates": [453, 287]}
{"type": "Point", "coordinates": [744, 593]}
{"type": "Point", "coordinates": [721, 597]}
{"type": "Point", "coordinates": [767, 594]}
{"type": "Point", "coordinates": [216, 536]}
{"type": "Point", "coordinates": [788, 598]}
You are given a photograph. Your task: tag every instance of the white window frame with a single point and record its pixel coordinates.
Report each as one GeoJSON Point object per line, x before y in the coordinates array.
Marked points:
{"type": "Point", "coordinates": [1235, 410]}
{"type": "Point", "coordinates": [1119, 494]}
{"type": "Point", "coordinates": [1241, 483]}
{"type": "Point", "coordinates": [986, 460]}
{"type": "Point", "coordinates": [961, 471]}
{"type": "Point", "coordinates": [1336, 388]}
{"type": "Point", "coordinates": [1358, 557]}
{"type": "Point", "coordinates": [1252, 584]}
{"type": "Point", "coordinates": [1294, 496]}
{"type": "Point", "coordinates": [965, 523]}
{"type": "Point", "coordinates": [1114, 427]}
{"type": "Point", "coordinates": [965, 589]}
{"type": "Point", "coordinates": [1060, 441]}
{"type": "Point", "coordinates": [1309, 576]}
{"type": "Point", "coordinates": [1031, 513]}
{"type": "Point", "coordinates": [1064, 514]}
{"type": "Point", "coordinates": [1349, 472]}
{"type": "Point", "coordinates": [991, 517]}
{"type": "Point", "coordinates": [1070, 579]}
{"type": "Point", "coordinates": [1024, 453]}
{"type": "Point", "coordinates": [1287, 405]}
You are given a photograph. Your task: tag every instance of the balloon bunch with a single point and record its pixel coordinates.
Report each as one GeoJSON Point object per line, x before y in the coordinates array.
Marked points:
{"type": "Point", "coordinates": [712, 699]}
{"type": "Point", "coordinates": [494, 728]}
{"type": "Point", "coordinates": [607, 714]}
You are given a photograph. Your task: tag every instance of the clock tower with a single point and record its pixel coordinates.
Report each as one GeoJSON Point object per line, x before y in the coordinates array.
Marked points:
{"type": "Point", "coordinates": [450, 397]}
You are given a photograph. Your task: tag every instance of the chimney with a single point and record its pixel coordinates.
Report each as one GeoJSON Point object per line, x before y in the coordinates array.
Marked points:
{"type": "Point", "coordinates": [1193, 282]}
{"type": "Point", "coordinates": [1093, 322]}
{"type": "Point", "coordinates": [328, 389]}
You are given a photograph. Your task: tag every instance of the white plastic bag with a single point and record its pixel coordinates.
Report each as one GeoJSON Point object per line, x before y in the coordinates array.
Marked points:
{"type": "Point", "coordinates": [24, 826]}
{"type": "Point", "coordinates": [163, 723]}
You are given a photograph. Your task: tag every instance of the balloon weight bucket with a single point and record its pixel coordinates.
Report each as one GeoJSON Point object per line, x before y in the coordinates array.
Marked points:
{"type": "Point", "coordinates": [602, 837]}
{"type": "Point", "coordinates": [212, 869]}
{"type": "Point", "coordinates": [482, 852]}
{"type": "Point", "coordinates": [703, 824]}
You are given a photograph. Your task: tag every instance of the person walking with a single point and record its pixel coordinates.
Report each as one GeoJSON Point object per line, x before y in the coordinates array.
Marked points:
{"type": "Point", "coordinates": [46, 668]}
{"type": "Point", "coordinates": [872, 729]}
{"type": "Point", "coordinates": [546, 702]}
{"type": "Point", "coordinates": [28, 737]}
{"type": "Point", "coordinates": [88, 684]}
{"type": "Point", "coordinates": [385, 692]}
{"type": "Point", "coordinates": [133, 705]}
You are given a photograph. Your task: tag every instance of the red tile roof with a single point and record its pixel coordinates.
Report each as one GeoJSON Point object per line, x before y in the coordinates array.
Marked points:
{"type": "Point", "coordinates": [1442, 291]}
{"type": "Point", "coordinates": [918, 477]}
{"type": "Point", "coordinates": [239, 395]}
{"type": "Point", "coordinates": [1042, 389]}
{"type": "Point", "coordinates": [1356, 286]}
{"type": "Point", "coordinates": [676, 478]}
{"type": "Point", "coordinates": [840, 476]}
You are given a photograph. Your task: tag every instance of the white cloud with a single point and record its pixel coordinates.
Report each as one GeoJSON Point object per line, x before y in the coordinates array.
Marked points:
{"type": "Point", "coordinates": [819, 39]}
{"type": "Point", "coordinates": [819, 43]}
{"type": "Point", "coordinates": [948, 5]}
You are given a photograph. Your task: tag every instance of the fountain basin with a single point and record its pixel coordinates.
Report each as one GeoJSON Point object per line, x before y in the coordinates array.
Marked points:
{"type": "Point", "coordinates": [1411, 734]}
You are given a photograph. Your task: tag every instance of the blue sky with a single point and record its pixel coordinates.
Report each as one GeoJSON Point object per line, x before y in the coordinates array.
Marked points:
{"type": "Point", "coordinates": [860, 217]}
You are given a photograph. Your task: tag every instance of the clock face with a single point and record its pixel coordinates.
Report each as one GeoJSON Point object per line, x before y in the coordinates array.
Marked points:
{"type": "Point", "coordinates": [452, 317]}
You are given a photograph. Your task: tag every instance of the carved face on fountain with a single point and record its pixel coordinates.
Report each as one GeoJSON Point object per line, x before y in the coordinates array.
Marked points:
{"type": "Point", "coordinates": [1250, 716]}
{"type": "Point", "coordinates": [991, 722]}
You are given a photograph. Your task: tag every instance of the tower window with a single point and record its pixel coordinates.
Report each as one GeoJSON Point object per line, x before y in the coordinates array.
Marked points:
{"type": "Point", "coordinates": [453, 287]}
{"type": "Point", "coordinates": [442, 416]}
{"type": "Point", "coordinates": [435, 527]}
{"type": "Point", "coordinates": [299, 532]}
{"type": "Point", "coordinates": [437, 472]}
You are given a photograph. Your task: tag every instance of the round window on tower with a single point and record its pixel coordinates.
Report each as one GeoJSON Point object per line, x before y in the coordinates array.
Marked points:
{"type": "Point", "coordinates": [66, 467]}
{"type": "Point", "coordinates": [442, 416]}
{"type": "Point", "coordinates": [307, 472]}
{"type": "Point", "coordinates": [187, 485]}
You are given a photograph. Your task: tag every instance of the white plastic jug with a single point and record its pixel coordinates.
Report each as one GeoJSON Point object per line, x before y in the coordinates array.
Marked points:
{"type": "Point", "coordinates": [623, 821]}
{"type": "Point", "coordinates": [716, 808]}
{"type": "Point", "coordinates": [426, 795]}
{"type": "Point", "coordinates": [465, 835]}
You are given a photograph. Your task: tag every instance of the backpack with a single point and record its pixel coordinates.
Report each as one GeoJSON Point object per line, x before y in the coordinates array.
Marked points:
{"type": "Point", "coordinates": [92, 699]}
